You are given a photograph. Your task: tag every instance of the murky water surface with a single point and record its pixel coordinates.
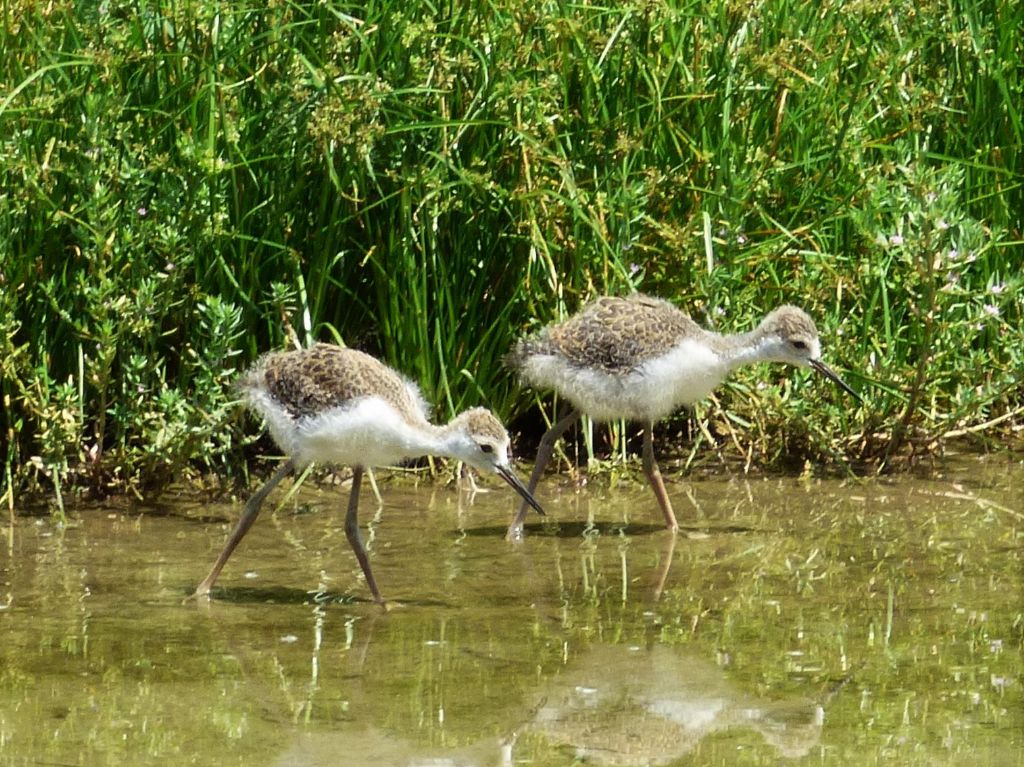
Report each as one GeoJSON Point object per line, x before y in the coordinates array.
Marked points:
{"type": "Point", "coordinates": [859, 622]}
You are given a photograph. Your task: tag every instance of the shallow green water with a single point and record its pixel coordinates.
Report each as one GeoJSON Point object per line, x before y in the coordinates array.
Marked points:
{"type": "Point", "coordinates": [872, 622]}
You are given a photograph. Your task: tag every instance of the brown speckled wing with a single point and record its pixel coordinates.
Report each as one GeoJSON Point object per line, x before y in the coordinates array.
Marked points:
{"type": "Point", "coordinates": [618, 334]}
{"type": "Point", "coordinates": [325, 376]}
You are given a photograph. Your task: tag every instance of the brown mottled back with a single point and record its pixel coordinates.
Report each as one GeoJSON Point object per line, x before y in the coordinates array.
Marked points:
{"type": "Point", "coordinates": [612, 334]}
{"type": "Point", "coordinates": [313, 380]}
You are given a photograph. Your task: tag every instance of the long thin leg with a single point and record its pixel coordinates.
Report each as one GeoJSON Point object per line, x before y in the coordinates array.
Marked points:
{"type": "Point", "coordinates": [654, 477]}
{"type": "Point", "coordinates": [355, 540]}
{"type": "Point", "coordinates": [249, 514]}
{"type": "Point", "coordinates": [544, 452]}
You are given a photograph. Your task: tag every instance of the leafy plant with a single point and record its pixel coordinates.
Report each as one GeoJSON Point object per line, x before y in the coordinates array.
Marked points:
{"type": "Point", "coordinates": [185, 186]}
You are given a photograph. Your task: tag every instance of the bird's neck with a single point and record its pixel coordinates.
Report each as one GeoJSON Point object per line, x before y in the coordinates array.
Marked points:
{"type": "Point", "coordinates": [739, 349]}
{"type": "Point", "coordinates": [424, 438]}
{"type": "Point", "coordinates": [441, 440]}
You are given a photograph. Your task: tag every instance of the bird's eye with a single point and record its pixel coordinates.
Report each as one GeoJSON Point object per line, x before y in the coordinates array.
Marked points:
{"type": "Point", "coordinates": [485, 448]}
{"type": "Point", "coordinates": [801, 345]}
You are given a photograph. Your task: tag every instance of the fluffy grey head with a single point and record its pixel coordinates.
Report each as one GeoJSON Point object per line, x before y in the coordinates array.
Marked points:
{"type": "Point", "coordinates": [788, 334]}
{"type": "Point", "coordinates": [479, 439]}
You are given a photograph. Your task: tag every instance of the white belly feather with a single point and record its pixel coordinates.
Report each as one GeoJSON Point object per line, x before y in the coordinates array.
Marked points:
{"type": "Point", "coordinates": [653, 390]}
{"type": "Point", "coordinates": [366, 432]}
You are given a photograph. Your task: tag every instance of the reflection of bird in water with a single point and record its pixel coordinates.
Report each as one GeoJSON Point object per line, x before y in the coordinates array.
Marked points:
{"type": "Point", "coordinates": [612, 705]}
{"type": "Point", "coordinates": [621, 707]}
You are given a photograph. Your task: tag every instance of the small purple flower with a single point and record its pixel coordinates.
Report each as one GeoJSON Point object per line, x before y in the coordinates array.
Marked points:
{"type": "Point", "coordinates": [142, 211]}
{"type": "Point", "coordinates": [896, 239]}
{"type": "Point", "coordinates": [991, 310]}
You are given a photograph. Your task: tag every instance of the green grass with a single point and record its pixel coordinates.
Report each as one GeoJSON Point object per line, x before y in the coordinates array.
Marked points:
{"type": "Point", "coordinates": [185, 185]}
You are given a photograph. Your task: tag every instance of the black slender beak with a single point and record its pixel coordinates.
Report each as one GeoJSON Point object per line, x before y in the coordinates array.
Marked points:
{"type": "Point", "coordinates": [506, 474]}
{"type": "Point", "coordinates": [826, 371]}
